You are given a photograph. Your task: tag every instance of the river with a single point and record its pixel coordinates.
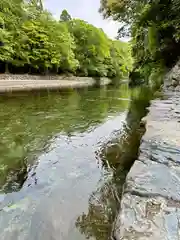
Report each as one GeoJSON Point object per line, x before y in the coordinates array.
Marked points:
{"type": "Point", "coordinates": [63, 160]}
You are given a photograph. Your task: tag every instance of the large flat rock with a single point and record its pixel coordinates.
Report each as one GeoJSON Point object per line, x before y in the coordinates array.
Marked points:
{"type": "Point", "coordinates": [150, 206]}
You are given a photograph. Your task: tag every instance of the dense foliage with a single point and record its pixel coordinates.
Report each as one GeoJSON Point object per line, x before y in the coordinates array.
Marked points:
{"type": "Point", "coordinates": [155, 29]}
{"type": "Point", "coordinates": [32, 41]}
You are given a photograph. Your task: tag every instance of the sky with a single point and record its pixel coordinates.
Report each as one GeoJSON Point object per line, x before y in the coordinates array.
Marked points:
{"type": "Point", "coordinates": [83, 9]}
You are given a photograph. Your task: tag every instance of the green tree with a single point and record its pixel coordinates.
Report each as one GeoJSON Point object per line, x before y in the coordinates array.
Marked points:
{"type": "Point", "coordinates": [92, 46]}
{"type": "Point", "coordinates": [33, 41]}
{"type": "Point", "coordinates": [154, 28]}
{"type": "Point", "coordinates": [37, 3]}
{"type": "Point", "coordinates": [51, 45]}
{"type": "Point", "coordinates": [11, 15]}
{"type": "Point", "coordinates": [65, 16]}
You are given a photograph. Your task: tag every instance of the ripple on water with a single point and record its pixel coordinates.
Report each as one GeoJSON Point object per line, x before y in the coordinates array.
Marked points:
{"type": "Point", "coordinates": [59, 178]}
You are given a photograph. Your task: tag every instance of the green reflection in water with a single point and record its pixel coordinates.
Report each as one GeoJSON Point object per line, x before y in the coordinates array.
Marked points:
{"type": "Point", "coordinates": [29, 123]}
{"type": "Point", "coordinates": [29, 120]}
{"type": "Point", "coordinates": [117, 156]}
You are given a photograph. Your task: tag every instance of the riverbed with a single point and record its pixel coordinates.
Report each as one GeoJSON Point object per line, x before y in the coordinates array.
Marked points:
{"type": "Point", "coordinates": [64, 159]}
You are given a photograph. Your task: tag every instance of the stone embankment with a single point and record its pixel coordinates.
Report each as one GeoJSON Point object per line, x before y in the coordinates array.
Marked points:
{"type": "Point", "coordinates": [150, 205]}
{"type": "Point", "coordinates": [9, 83]}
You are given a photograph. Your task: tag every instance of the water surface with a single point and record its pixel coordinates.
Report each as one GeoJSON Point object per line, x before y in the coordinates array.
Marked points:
{"type": "Point", "coordinates": [63, 160]}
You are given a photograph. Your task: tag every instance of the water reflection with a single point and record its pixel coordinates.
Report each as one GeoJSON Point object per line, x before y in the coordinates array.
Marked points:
{"type": "Point", "coordinates": [53, 140]}
{"type": "Point", "coordinates": [29, 121]}
{"type": "Point", "coordinates": [116, 157]}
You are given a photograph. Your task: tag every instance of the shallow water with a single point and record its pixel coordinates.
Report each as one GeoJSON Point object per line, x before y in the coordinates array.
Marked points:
{"type": "Point", "coordinates": [63, 160]}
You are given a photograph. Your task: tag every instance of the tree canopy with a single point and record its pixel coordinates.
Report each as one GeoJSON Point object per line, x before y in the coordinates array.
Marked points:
{"type": "Point", "coordinates": [65, 16]}
{"type": "Point", "coordinates": [154, 27]}
{"type": "Point", "coordinates": [33, 41]}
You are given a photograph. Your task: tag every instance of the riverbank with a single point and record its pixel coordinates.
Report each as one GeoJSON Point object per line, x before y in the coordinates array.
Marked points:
{"type": "Point", "coordinates": [151, 198]}
{"type": "Point", "coordinates": [11, 83]}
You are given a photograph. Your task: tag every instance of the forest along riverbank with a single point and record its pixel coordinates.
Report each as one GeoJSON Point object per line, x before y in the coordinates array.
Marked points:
{"type": "Point", "coordinates": [151, 199]}
{"type": "Point", "coordinates": [64, 159]}
{"type": "Point", "coordinates": [12, 83]}
{"type": "Point", "coordinates": [39, 43]}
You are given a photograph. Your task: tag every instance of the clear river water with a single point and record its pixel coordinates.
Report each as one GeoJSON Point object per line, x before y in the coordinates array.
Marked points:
{"type": "Point", "coordinates": [63, 160]}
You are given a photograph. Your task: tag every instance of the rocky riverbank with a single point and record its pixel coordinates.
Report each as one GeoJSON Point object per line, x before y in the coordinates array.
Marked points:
{"type": "Point", "coordinates": [9, 83]}
{"type": "Point", "coordinates": [150, 206]}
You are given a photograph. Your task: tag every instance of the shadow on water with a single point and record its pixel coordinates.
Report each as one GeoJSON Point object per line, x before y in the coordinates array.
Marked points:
{"type": "Point", "coordinates": [116, 158]}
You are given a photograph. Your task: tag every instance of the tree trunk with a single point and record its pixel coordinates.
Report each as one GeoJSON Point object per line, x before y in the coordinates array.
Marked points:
{"type": "Point", "coordinates": [6, 67]}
